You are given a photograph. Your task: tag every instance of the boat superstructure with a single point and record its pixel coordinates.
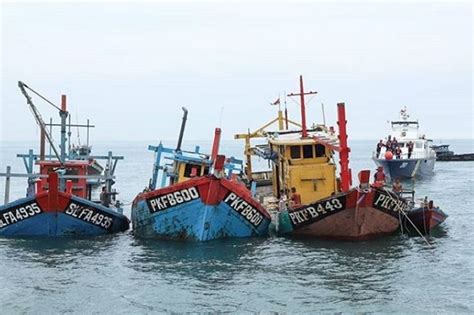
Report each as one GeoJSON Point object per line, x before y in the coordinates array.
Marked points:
{"type": "Point", "coordinates": [417, 161]}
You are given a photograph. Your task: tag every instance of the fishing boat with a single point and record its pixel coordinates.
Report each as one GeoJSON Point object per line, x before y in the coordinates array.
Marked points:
{"type": "Point", "coordinates": [423, 219]}
{"type": "Point", "coordinates": [59, 198]}
{"type": "Point", "coordinates": [200, 197]}
{"type": "Point", "coordinates": [422, 216]}
{"type": "Point", "coordinates": [416, 157]}
{"type": "Point", "coordinates": [321, 205]}
{"type": "Point", "coordinates": [444, 154]}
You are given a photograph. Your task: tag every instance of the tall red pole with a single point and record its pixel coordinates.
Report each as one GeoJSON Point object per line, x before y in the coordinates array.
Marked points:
{"type": "Point", "coordinates": [346, 179]}
{"type": "Point", "coordinates": [216, 143]}
{"type": "Point", "coordinates": [304, 133]}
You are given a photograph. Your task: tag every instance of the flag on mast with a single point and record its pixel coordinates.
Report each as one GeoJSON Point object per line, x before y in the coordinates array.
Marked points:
{"type": "Point", "coordinates": [277, 102]}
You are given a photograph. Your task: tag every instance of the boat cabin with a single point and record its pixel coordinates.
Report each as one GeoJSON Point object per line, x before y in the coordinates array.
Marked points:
{"type": "Point", "coordinates": [304, 165]}
{"type": "Point", "coordinates": [75, 168]}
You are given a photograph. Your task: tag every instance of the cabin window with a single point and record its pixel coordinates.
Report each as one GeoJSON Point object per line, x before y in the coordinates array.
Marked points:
{"type": "Point", "coordinates": [295, 152]}
{"type": "Point", "coordinates": [320, 150]}
{"type": "Point", "coordinates": [308, 151]}
{"type": "Point", "coordinates": [401, 144]}
{"type": "Point", "coordinates": [188, 170]}
{"type": "Point", "coordinates": [419, 145]}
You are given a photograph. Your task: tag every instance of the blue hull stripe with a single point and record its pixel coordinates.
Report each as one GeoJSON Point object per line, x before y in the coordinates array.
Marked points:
{"type": "Point", "coordinates": [194, 221]}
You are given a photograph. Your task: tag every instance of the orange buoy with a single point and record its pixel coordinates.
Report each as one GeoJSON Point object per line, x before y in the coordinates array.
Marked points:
{"type": "Point", "coordinates": [388, 155]}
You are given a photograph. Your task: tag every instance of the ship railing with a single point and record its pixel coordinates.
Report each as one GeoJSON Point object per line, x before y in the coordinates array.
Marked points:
{"type": "Point", "coordinates": [404, 156]}
{"type": "Point", "coordinates": [8, 175]}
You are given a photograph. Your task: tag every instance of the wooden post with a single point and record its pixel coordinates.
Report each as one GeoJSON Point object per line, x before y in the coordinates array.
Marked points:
{"type": "Point", "coordinates": [7, 185]}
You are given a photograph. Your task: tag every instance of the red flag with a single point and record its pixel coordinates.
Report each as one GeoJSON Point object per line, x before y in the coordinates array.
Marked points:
{"type": "Point", "coordinates": [277, 102]}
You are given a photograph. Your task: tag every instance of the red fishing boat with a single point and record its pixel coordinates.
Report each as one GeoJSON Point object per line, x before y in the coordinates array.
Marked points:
{"type": "Point", "coordinates": [313, 201]}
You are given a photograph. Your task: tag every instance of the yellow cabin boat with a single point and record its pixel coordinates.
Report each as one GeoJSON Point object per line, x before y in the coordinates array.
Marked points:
{"type": "Point", "coordinates": [304, 165]}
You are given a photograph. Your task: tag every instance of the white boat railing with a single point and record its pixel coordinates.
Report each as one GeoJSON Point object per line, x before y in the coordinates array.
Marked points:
{"type": "Point", "coordinates": [404, 156]}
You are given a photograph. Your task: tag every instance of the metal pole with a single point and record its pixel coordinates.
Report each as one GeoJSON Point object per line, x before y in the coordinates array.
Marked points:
{"type": "Point", "coordinates": [7, 185]}
{"type": "Point", "coordinates": [50, 132]}
{"type": "Point", "coordinates": [87, 133]}
{"type": "Point", "coordinates": [304, 133]}
{"type": "Point", "coordinates": [63, 114]}
{"type": "Point", "coordinates": [183, 126]}
{"type": "Point", "coordinates": [69, 137]}
{"type": "Point", "coordinates": [324, 116]}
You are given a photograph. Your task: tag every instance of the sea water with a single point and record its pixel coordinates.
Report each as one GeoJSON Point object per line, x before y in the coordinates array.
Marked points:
{"type": "Point", "coordinates": [125, 275]}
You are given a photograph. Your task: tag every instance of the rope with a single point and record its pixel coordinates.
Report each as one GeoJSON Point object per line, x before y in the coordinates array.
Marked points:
{"type": "Point", "coordinates": [406, 216]}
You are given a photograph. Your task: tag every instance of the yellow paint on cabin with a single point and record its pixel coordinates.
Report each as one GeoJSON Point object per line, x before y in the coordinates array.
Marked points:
{"type": "Point", "coordinates": [184, 171]}
{"type": "Point", "coordinates": [307, 167]}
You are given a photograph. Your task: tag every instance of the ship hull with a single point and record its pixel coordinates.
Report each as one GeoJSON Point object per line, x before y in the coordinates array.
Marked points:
{"type": "Point", "coordinates": [62, 215]}
{"type": "Point", "coordinates": [407, 168]}
{"type": "Point", "coordinates": [200, 209]}
{"type": "Point", "coordinates": [355, 215]}
{"type": "Point", "coordinates": [423, 219]}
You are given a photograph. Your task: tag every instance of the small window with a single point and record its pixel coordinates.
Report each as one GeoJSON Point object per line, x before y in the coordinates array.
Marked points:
{"type": "Point", "coordinates": [295, 152]}
{"type": "Point", "coordinates": [419, 145]}
{"type": "Point", "coordinates": [308, 151]}
{"type": "Point", "coordinates": [188, 170]}
{"type": "Point", "coordinates": [320, 150]}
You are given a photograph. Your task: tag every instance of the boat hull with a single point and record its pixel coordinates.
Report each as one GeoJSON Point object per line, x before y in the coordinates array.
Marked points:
{"type": "Point", "coordinates": [200, 209]}
{"type": "Point", "coordinates": [59, 215]}
{"type": "Point", "coordinates": [407, 168]}
{"type": "Point", "coordinates": [355, 215]}
{"type": "Point", "coordinates": [423, 219]}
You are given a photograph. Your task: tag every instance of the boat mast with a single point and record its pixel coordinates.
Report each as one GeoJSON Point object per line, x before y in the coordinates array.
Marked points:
{"type": "Point", "coordinates": [302, 94]}
{"type": "Point", "coordinates": [181, 132]}
{"type": "Point", "coordinates": [344, 150]}
{"type": "Point", "coordinates": [39, 119]}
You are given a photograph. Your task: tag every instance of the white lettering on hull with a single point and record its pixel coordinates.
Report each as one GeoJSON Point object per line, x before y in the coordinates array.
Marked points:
{"type": "Point", "coordinates": [19, 213]}
{"type": "Point", "coordinates": [316, 211]}
{"type": "Point", "coordinates": [166, 201]}
{"type": "Point", "coordinates": [246, 210]}
{"type": "Point", "coordinates": [90, 215]}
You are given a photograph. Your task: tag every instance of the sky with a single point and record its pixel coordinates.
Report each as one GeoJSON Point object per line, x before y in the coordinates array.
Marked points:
{"type": "Point", "coordinates": [130, 67]}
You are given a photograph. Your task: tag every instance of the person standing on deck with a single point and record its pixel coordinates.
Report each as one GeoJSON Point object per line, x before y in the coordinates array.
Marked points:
{"type": "Point", "coordinates": [388, 144]}
{"type": "Point", "coordinates": [410, 149]}
{"type": "Point", "coordinates": [379, 177]}
{"type": "Point", "coordinates": [379, 148]}
{"type": "Point", "coordinates": [397, 187]}
{"type": "Point", "coordinates": [394, 144]}
{"type": "Point", "coordinates": [398, 152]}
{"type": "Point", "coordinates": [295, 199]}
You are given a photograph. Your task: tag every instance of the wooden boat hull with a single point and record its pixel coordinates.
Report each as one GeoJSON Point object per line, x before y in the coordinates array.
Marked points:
{"type": "Point", "coordinates": [59, 214]}
{"type": "Point", "coordinates": [424, 219]}
{"type": "Point", "coordinates": [199, 209]}
{"type": "Point", "coordinates": [355, 215]}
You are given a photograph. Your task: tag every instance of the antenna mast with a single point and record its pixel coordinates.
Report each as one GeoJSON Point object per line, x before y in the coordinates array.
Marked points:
{"type": "Point", "coordinates": [302, 94]}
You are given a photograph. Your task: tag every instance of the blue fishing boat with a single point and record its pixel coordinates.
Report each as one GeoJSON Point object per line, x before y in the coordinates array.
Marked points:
{"type": "Point", "coordinates": [200, 197]}
{"type": "Point", "coordinates": [59, 197]}
{"type": "Point", "coordinates": [406, 153]}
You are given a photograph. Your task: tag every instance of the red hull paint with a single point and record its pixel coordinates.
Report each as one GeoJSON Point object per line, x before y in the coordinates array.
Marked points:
{"type": "Point", "coordinates": [362, 217]}
{"type": "Point", "coordinates": [212, 191]}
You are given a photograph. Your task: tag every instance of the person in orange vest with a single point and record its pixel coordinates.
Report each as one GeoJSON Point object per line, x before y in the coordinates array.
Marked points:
{"type": "Point", "coordinates": [379, 177]}
{"type": "Point", "coordinates": [295, 198]}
